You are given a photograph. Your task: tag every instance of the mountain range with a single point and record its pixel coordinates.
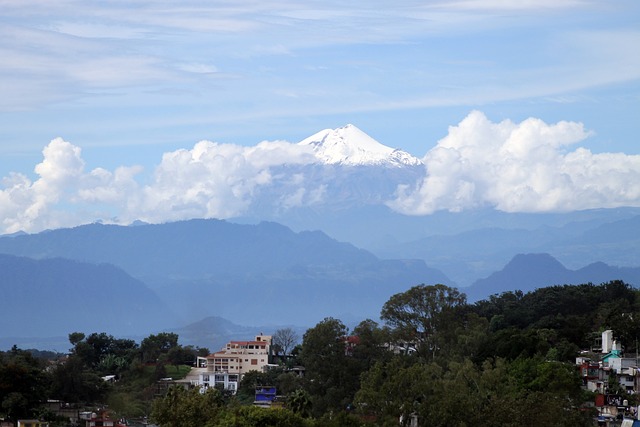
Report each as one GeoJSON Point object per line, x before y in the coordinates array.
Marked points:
{"type": "Point", "coordinates": [346, 193]}
{"type": "Point", "coordinates": [243, 272]}
{"type": "Point", "coordinates": [343, 255]}
{"type": "Point", "coordinates": [527, 272]}
{"type": "Point", "coordinates": [144, 278]}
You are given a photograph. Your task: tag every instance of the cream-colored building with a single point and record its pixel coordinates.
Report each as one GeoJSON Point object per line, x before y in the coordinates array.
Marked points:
{"type": "Point", "coordinates": [226, 367]}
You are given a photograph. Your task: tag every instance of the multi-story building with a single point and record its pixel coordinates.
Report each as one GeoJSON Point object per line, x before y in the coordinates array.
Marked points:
{"type": "Point", "coordinates": [609, 365]}
{"type": "Point", "coordinates": [226, 367]}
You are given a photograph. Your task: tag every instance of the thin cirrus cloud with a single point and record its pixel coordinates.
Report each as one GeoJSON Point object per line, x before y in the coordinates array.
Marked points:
{"type": "Point", "coordinates": [80, 47]}
{"type": "Point", "coordinates": [529, 166]}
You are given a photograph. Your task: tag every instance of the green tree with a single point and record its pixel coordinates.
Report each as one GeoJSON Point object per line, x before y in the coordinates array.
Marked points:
{"type": "Point", "coordinates": [424, 314]}
{"type": "Point", "coordinates": [252, 379]}
{"type": "Point", "coordinates": [23, 383]}
{"type": "Point", "coordinates": [76, 337]}
{"type": "Point", "coordinates": [252, 416]}
{"type": "Point", "coordinates": [299, 402]}
{"type": "Point", "coordinates": [180, 355]}
{"type": "Point", "coordinates": [154, 345]}
{"type": "Point", "coordinates": [329, 377]}
{"type": "Point", "coordinates": [397, 388]}
{"type": "Point", "coordinates": [72, 381]}
{"type": "Point", "coordinates": [94, 348]}
{"type": "Point", "coordinates": [187, 408]}
{"type": "Point", "coordinates": [372, 344]}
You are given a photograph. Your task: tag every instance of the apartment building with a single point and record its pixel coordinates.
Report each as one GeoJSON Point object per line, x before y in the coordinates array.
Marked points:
{"type": "Point", "coordinates": [226, 367]}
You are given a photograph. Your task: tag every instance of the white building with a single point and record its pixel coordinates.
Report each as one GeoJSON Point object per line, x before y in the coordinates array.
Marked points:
{"type": "Point", "coordinates": [226, 367]}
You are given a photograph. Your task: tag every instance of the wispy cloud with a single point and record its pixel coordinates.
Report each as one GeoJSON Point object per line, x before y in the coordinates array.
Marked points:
{"type": "Point", "coordinates": [73, 46]}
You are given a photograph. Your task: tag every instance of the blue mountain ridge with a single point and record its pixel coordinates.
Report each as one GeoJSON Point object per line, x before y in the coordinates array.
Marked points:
{"type": "Point", "coordinates": [250, 274]}
{"type": "Point", "coordinates": [527, 272]}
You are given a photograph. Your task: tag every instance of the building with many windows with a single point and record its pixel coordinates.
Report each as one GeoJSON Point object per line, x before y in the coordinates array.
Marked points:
{"type": "Point", "coordinates": [225, 368]}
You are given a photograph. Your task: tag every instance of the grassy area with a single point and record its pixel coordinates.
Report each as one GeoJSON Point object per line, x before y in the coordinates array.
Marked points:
{"type": "Point", "coordinates": [176, 373]}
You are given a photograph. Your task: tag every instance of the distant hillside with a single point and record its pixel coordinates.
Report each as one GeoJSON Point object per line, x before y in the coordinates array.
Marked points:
{"type": "Point", "coordinates": [251, 274]}
{"type": "Point", "coordinates": [615, 242]}
{"type": "Point", "coordinates": [214, 332]}
{"type": "Point", "coordinates": [490, 239]}
{"type": "Point", "coordinates": [53, 297]}
{"type": "Point", "coordinates": [527, 272]}
{"type": "Point", "coordinates": [189, 249]}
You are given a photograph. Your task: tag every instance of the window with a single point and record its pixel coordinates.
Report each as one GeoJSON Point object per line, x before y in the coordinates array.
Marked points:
{"type": "Point", "coordinates": [254, 361]}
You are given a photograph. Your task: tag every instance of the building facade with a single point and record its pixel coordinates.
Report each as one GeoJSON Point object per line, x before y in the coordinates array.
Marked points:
{"type": "Point", "coordinates": [226, 367]}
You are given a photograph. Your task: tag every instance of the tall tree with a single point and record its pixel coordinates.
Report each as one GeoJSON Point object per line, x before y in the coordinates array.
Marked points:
{"type": "Point", "coordinates": [422, 314]}
{"type": "Point", "coordinates": [284, 340]}
{"type": "Point", "coordinates": [187, 408]}
{"type": "Point", "coordinates": [328, 375]}
{"type": "Point", "coordinates": [397, 388]}
{"type": "Point", "coordinates": [371, 344]}
{"type": "Point", "coordinates": [22, 383]}
{"type": "Point", "coordinates": [155, 345]}
{"type": "Point", "coordinates": [94, 348]}
{"type": "Point", "coordinates": [72, 381]}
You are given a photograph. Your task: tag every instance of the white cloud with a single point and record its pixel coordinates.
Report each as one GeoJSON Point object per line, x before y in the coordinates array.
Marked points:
{"type": "Point", "coordinates": [211, 180]}
{"type": "Point", "coordinates": [523, 167]}
{"type": "Point", "coordinates": [516, 167]}
{"type": "Point", "coordinates": [64, 194]}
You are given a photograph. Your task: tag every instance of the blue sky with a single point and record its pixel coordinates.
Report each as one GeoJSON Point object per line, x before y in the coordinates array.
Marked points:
{"type": "Point", "coordinates": [126, 82]}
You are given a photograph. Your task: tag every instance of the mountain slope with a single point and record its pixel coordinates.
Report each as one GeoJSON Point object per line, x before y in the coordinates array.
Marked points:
{"type": "Point", "coordinates": [214, 332]}
{"type": "Point", "coordinates": [526, 272]}
{"type": "Point", "coordinates": [349, 145]}
{"type": "Point", "coordinates": [53, 297]}
{"type": "Point", "coordinates": [487, 240]}
{"type": "Point", "coordinates": [189, 249]}
{"type": "Point", "coordinates": [256, 274]}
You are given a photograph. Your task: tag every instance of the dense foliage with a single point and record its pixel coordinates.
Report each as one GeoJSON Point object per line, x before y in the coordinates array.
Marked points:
{"type": "Point", "coordinates": [507, 360]}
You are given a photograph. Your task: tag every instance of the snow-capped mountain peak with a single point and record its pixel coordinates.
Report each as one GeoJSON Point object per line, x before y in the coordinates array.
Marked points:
{"type": "Point", "coordinates": [348, 145]}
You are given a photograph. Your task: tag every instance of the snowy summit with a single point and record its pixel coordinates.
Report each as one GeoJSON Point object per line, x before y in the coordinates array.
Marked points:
{"type": "Point", "coordinates": [349, 145]}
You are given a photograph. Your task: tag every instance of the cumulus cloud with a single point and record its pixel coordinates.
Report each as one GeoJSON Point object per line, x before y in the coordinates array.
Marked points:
{"type": "Point", "coordinates": [520, 167]}
{"type": "Point", "coordinates": [213, 180]}
{"type": "Point", "coordinates": [209, 180]}
{"type": "Point", "coordinates": [63, 192]}
{"type": "Point", "coordinates": [530, 166]}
